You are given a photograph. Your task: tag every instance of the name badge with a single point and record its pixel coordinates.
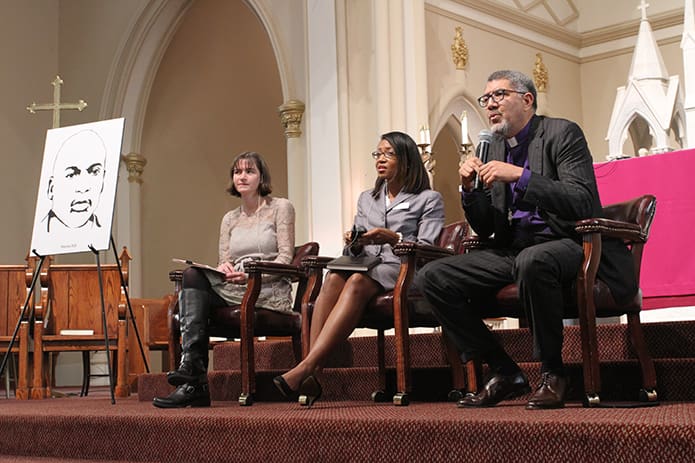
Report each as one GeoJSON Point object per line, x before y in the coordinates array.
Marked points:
{"type": "Point", "coordinates": [403, 205]}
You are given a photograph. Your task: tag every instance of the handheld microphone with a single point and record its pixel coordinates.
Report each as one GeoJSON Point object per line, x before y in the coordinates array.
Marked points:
{"type": "Point", "coordinates": [355, 234]}
{"type": "Point", "coordinates": [484, 139]}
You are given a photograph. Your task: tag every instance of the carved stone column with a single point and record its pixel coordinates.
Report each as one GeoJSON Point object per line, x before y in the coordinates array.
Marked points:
{"type": "Point", "coordinates": [291, 114]}
{"type": "Point", "coordinates": [135, 165]}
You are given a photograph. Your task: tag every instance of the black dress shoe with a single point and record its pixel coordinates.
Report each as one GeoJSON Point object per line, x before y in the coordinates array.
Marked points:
{"type": "Point", "coordinates": [309, 391]}
{"type": "Point", "coordinates": [498, 388]}
{"type": "Point", "coordinates": [187, 373]}
{"type": "Point", "coordinates": [550, 394]}
{"type": "Point", "coordinates": [285, 388]}
{"type": "Point", "coordinates": [186, 395]}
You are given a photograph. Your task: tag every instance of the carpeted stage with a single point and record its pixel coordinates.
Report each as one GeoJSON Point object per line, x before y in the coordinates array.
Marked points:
{"type": "Point", "coordinates": [76, 428]}
{"type": "Point", "coordinates": [345, 426]}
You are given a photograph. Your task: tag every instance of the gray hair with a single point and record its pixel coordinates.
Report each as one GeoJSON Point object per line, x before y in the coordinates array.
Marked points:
{"type": "Point", "coordinates": [519, 82]}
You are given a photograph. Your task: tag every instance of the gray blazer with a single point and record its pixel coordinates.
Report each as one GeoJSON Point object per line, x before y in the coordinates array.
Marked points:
{"type": "Point", "coordinates": [418, 217]}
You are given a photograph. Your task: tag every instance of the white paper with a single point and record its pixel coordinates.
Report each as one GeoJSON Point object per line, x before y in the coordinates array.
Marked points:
{"type": "Point", "coordinates": [77, 188]}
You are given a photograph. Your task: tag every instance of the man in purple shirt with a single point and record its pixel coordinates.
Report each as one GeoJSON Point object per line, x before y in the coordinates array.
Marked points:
{"type": "Point", "coordinates": [538, 181]}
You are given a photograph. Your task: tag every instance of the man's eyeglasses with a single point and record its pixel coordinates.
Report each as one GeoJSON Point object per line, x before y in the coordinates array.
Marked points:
{"type": "Point", "coordinates": [497, 96]}
{"type": "Point", "coordinates": [386, 154]}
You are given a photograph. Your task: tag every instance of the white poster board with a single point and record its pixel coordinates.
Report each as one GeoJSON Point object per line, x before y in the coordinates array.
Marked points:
{"type": "Point", "coordinates": [77, 189]}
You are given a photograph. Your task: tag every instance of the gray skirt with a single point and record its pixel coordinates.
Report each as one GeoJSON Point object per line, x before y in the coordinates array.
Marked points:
{"type": "Point", "coordinates": [276, 292]}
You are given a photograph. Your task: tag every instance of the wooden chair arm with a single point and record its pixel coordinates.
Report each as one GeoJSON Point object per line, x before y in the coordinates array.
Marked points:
{"type": "Point", "coordinates": [176, 276]}
{"type": "Point", "coordinates": [274, 268]}
{"type": "Point", "coordinates": [266, 267]}
{"type": "Point", "coordinates": [612, 228]}
{"type": "Point", "coordinates": [422, 252]}
{"type": "Point", "coordinates": [474, 242]}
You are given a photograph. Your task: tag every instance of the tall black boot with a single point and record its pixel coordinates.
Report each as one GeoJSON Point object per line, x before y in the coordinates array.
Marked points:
{"type": "Point", "coordinates": [194, 306]}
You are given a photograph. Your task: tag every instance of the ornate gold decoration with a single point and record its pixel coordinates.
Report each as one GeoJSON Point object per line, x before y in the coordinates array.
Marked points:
{"type": "Point", "coordinates": [540, 74]}
{"type": "Point", "coordinates": [291, 117]}
{"type": "Point", "coordinates": [56, 106]}
{"type": "Point", "coordinates": [135, 163]}
{"type": "Point", "coordinates": [459, 49]}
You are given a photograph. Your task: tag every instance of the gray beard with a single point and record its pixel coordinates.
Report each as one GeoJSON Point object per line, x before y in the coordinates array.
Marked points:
{"type": "Point", "coordinates": [501, 128]}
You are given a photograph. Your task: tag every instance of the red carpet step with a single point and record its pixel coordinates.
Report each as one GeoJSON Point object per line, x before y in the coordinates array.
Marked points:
{"type": "Point", "coordinates": [351, 372]}
{"type": "Point", "coordinates": [621, 382]}
{"type": "Point", "coordinates": [665, 340]}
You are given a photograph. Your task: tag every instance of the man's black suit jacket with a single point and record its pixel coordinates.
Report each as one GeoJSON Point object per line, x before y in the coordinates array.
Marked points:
{"type": "Point", "coordinates": [562, 189]}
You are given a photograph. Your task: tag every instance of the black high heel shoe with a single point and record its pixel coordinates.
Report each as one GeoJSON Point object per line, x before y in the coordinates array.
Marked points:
{"type": "Point", "coordinates": [309, 391]}
{"type": "Point", "coordinates": [285, 388]}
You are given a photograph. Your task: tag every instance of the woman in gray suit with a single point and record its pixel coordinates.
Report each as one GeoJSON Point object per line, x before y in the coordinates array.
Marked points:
{"type": "Point", "coordinates": [401, 206]}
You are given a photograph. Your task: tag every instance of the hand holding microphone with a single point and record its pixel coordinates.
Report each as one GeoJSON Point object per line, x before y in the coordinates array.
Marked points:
{"type": "Point", "coordinates": [481, 152]}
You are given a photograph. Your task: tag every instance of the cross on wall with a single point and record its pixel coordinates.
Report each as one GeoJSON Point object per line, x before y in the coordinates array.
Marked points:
{"type": "Point", "coordinates": [56, 106]}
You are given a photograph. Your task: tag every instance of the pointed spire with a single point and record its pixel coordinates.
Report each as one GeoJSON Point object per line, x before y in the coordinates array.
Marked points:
{"type": "Point", "coordinates": [647, 62]}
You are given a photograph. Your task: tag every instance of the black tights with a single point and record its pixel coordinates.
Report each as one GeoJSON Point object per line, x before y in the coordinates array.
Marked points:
{"type": "Point", "coordinates": [194, 278]}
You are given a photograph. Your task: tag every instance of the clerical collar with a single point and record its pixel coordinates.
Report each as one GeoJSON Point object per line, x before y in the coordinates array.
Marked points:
{"type": "Point", "coordinates": [520, 137]}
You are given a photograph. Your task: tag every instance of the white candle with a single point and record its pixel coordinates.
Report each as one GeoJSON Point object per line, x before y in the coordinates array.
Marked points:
{"type": "Point", "coordinates": [422, 135]}
{"type": "Point", "coordinates": [464, 129]}
{"type": "Point", "coordinates": [427, 135]}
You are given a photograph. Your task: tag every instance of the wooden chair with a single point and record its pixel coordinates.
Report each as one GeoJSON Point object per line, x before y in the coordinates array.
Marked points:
{"type": "Point", "coordinates": [401, 308]}
{"type": "Point", "coordinates": [152, 320]}
{"type": "Point", "coordinates": [70, 304]}
{"type": "Point", "coordinates": [630, 221]}
{"type": "Point", "coordinates": [245, 320]}
{"type": "Point", "coordinates": [14, 288]}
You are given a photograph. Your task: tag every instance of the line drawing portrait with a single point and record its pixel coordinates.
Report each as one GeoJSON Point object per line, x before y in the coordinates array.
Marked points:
{"type": "Point", "coordinates": [74, 206]}
{"type": "Point", "coordinates": [76, 183]}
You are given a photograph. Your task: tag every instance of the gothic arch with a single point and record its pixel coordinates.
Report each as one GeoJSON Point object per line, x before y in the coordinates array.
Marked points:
{"type": "Point", "coordinates": [449, 114]}
{"type": "Point", "coordinates": [446, 132]}
{"type": "Point", "coordinates": [127, 92]}
{"type": "Point", "coordinates": [640, 133]}
{"type": "Point", "coordinates": [133, 71]}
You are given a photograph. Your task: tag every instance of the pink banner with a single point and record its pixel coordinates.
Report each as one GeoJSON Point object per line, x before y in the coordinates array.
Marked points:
{"type": "Point", "coordinates": [668, 263]}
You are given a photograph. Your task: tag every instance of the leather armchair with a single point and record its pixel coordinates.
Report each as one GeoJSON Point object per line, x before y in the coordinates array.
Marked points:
{"type": "Point", "coordinates": [401, 308]}
{"type": "Point", "coordinates": [630, 221]}
{"type": "Point", "coordinates": [245, 320]}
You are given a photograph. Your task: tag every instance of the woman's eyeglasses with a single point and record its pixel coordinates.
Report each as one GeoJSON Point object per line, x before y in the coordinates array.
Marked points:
{"type": "Point", "coordinates": [387, 154]}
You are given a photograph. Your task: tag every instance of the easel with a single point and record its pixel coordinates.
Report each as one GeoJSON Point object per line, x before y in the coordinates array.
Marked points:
{"type": "Point", "coordinates": [130, 310]}
{"type": "Point", "coordinates": [85, 153]}
{"type": "Point", "coordinates": [103, 314]}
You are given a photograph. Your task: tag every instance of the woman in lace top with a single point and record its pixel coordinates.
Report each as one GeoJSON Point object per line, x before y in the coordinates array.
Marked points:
{"type": "Point", "coordinates": [261, 228]}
